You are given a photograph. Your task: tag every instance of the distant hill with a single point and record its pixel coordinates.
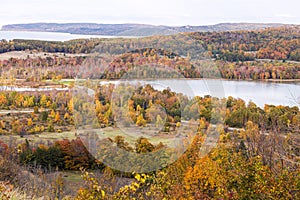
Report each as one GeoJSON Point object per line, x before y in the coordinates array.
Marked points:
{"type": "Point", "coordinates": [131, 29]}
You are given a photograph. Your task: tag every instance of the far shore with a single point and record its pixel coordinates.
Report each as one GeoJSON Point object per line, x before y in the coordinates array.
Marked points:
{"type": "Point", "coordinates": [36, 54]}
{"type": "Point", "coordinates": [220, 79]}
{"type": "Point", "coordinates": [63, 83]}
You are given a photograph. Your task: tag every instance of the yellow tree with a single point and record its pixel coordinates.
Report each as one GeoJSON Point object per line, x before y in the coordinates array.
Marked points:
{"type": "Point", "coordinates": [71, 105]}
{"type": "Point", "coordinates": [2, 124]}
{"type": "Point", "coordinates": [140, 120]}
{"type": "Point", "coordinates": [3, 100]}
{"type": "Point", "coordinates": [57, 117]}
{"type": "Point", "coordinates": [43, 100]}
{"type": "Point", "coordinates": [66, 116]}
{"type": "Point", "coordinates": [29, 122]}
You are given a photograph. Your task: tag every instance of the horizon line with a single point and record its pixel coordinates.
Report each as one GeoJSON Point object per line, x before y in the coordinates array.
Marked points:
{"type": "Point", "coordinates": [141, 23]}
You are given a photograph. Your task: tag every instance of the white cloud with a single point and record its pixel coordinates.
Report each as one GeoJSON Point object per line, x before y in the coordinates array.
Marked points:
{"type": "Point", "coordinates": [172, 12]}
{"type": "Point", "coordinates": [285, 15]}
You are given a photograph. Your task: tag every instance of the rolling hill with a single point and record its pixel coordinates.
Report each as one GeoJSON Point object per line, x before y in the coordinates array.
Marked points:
{"type": "Point", "coordinates": [131, 29]}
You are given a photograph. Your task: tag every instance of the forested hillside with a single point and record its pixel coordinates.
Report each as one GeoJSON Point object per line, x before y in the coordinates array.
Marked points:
{"type": "Point", "coordinates": [131, 29]}
{"type": "Point", "coordinates": [278, 43]}
{"type": "Point", "coordinates": [254, 55]}
{"type": "Point", "coordinates": [274, 43]}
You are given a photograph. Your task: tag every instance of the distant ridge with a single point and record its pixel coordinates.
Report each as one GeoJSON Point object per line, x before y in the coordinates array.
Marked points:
{"type": "Point", "coordinates": [132, 29]}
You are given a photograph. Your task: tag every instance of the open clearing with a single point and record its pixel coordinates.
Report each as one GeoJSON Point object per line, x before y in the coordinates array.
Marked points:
{"type": "Point", "coordinates": [130, 134]}
{"type": "Point", "coordinates": [35, 54]}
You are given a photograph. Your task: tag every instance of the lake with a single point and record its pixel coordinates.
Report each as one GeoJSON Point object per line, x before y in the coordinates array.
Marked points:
{"type": "Point", "coordinates": [261, 93]}
{"type": "Point", "coordinates": [50, 36]}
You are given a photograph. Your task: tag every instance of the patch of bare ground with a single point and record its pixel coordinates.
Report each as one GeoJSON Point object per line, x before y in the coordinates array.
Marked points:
{"type": "Point", "coordinates": [35, 54]}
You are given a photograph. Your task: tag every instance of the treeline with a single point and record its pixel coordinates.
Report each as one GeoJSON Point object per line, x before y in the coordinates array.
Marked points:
{"type": "Point", "coordinates": [258, 70]}
{"type": "Point", "coordinates": [73, 154]}
{"type": "Point", "coordinates": [62, 155]}
{"type": "Point", "coordinates": [38, 69]}
{"type": "Point", "coordinates": [139, 106]}
{"type": "Point", "coordinates": [145, 63]}
{"type": "Point", "coordinates": [154, 63]}
{"type": "Point", "coordinates": [72, 46]}
{"type": "Point", "coordinates": [274, 43]}
{"type": "Point", "coordinates": [281, 43]}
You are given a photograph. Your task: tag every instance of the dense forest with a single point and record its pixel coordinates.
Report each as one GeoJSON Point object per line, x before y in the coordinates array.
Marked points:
{"type": "Point", "coordinates": [60, 142]}
{"type": "Point", "coordinates": [57, 107]}
{"type": "Point", "coordinates": [276, 43]}
{"type": "Point", "coordinates": [280, 43]}
{"type": "Point", "coordinates": [149, 62]}
{"type": "Point", "coordinates": [260, 152]}
{"type": "Point", "coordinates": [72, 46]}
{"type": "Point", "coordinates": [258, 55]}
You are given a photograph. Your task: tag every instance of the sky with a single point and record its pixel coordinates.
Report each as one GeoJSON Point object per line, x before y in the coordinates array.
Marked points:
{"type": "Point", "coordinates": [157, 12]}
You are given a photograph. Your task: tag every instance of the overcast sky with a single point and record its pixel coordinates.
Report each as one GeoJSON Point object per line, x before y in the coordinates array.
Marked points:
{"type": "Point", "coordinates": [159, 12]}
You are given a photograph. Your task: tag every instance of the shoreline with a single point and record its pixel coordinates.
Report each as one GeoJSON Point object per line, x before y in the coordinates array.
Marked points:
{"type": "Point", "coordinates": [61, 84]}
{"type": "Point", "coordinates": [217, 79]}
